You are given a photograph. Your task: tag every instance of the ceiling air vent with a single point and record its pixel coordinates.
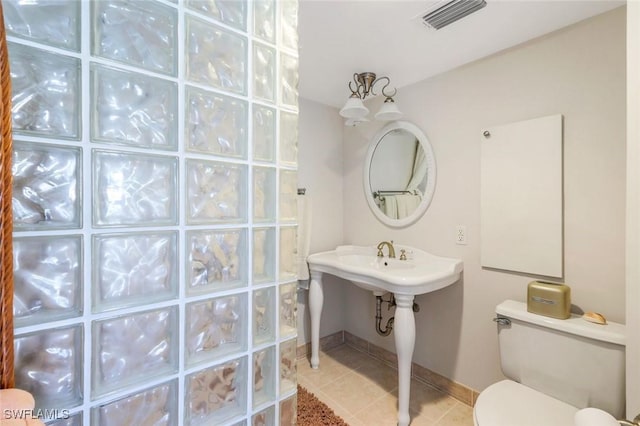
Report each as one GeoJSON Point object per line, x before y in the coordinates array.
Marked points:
{"type": "Point", "coordinates": [450, 12]}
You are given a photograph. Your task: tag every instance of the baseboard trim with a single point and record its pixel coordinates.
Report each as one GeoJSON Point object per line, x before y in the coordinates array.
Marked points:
{"type": "Point", "coordinates": [456, 390]}
{"type": "Point", "coordinates": [326, 343]}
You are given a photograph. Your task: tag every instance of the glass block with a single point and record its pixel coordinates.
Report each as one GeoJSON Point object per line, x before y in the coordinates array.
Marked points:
{"type": "Point", "coordinates": [45, 93]}
{"type": "Point", "coordinates": [288, 409]}
{"type": "Point", "coordinates": [216, 394]}
{"type": "Point", "coordinates": [264, 318]}
{"type": "Point", "coordinates": [266, 417]}
{"type": "Point", "coordinates": [264, 255]}
{"type": "Point", "coordinates": [264, 194]}
{"type": "Point", "coordinates": [215, 327]}
{"type": "Point", "coordinates": [49, 364]}
{"type": "Point", "coordinates": [288, 367]}
{"type": "Point", "coordinates": [133, 269]}
{"type": "Point", "coordinates": [156, 406]}
{"type": "Point", "coordinates": [288, 211]}
{"type": "Point", "coordinates": [288, 138]}
{"type": "Point", "coordinates": [217, 260]}
{"type": "Point", "coordinates": [138, 33]}
{"type": "Point", "coordinates": [215, 56]}
{"type": "Point", "coordinates": [288, 309]}
{"type": "Point", "coordinates": [133, 348]}
{"type": "Point", "coordinates": [133, 189]}
{"type": "Point", "coordinates": [289, 24]}
{"type": "Point", "coordinates": [230, 12]}
{"type": "Point", "coordinates": [47, 276]}
{"type": "Point", "coordinates": [53, 22]}
{"type": "Point", "coordinates": [264, 373]}
{"type": "Point", "coordinates": [288, 253]}
{"type": "Point", "coordinates": [73, 420]}
{"type": "Point", "coordinates": [133, 109]}
{"type": "Point", "coordinates": [216, 192]}
{"type": "Point", "coordinates": [264, 72]}
{"type": "Point", "coordinates": [264, 133]}
{"type": "Point", "coordinates": [216, 124]}
{"type": "Point", "coordinates": [47, 184]}
{"type": "Point", "coordinates": [264, 19]}
{"type": "Point", "coordinates": [289, 81]}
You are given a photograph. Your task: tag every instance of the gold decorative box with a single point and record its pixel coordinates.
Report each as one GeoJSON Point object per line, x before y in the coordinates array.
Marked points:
{"type": "Point", "coordinates": [549, 299]}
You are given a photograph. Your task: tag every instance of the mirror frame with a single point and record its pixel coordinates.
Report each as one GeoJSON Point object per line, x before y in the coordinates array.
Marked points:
{"type": "Point", "coordinates": [431, 174]}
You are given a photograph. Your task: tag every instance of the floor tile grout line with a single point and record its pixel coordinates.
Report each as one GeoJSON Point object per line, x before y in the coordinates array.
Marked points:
{"type": "Point", "coordinates": [374, 402]}
{"type": "Point", "coordinates": [447, 412]}
{"type": "Point", "coordinates": [348, 373]}
{"type": "Point", "coordinates": [393, 366]}
{"type": "Point", "coordinates": [331, 403]}
{"type": "Point", "coordinates": [353, 366]}
{"type": "Point", "coordinates": [344, 409]}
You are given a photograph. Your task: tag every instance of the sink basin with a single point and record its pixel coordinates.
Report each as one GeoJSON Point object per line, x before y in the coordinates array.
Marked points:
{"type": "Point", "coordinates": [380, 263]}
{"type": "Point", "coordinates": [421, 273]}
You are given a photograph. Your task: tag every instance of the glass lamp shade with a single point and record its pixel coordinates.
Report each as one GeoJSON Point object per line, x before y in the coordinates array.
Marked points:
{"type": "Point", "coordinates": [353, 122]}
{"type": "Point", "coordinates": [354, 108]}
{"type": "Point", "coordinates": [388, 111]}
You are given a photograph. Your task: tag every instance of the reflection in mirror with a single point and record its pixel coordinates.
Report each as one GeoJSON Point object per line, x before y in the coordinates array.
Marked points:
{"type": "Point", "coordinates": [399, 174]}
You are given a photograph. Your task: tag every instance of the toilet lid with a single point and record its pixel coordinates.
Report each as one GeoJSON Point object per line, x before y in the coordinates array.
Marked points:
{"type": "Point", "coordinates": [508, 403]}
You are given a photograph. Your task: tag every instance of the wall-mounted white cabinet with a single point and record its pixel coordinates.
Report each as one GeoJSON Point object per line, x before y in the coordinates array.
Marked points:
{"type": "Point", "coordinates": [521, 196]}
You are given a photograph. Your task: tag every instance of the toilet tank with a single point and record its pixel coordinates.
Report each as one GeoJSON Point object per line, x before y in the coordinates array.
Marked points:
{"type": "Point", "coordinates": [575, 361]}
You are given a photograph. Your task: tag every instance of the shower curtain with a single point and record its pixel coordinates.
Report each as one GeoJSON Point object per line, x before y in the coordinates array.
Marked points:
{"type": "Point", "coordinates": [6, 224]}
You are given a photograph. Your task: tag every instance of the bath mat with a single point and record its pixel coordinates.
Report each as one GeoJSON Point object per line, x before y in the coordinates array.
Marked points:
{"type": "Point", "coordinates": [313, 412]}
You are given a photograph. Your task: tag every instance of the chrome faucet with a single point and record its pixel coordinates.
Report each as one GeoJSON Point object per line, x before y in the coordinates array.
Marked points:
{"type": "Point", "coordinates": [392, 251]}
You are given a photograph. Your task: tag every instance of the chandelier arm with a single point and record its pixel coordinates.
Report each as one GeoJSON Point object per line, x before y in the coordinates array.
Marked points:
{"type": "Point", "coordinates": [387, 95]}
{"type": "Point", "coordinates": [355, 91]}
{"type": "Point", "coordinates": [373, 85]}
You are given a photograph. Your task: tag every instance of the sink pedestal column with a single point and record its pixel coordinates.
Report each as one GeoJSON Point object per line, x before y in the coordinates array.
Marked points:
{"type": "Point", "coordinates": [404, 331]}
{"type": "Point", "coordinates": [316, 299]}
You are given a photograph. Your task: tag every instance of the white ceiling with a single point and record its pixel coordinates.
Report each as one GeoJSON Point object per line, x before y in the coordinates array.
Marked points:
{"type": "Point", "coordinates": [339, 38]}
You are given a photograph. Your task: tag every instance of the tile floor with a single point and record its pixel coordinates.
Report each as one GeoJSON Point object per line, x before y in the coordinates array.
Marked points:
{"type": "Point", "coordinates": [363, 391]}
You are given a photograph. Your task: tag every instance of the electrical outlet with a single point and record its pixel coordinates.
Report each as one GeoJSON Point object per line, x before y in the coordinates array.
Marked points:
{"type": "Point", "coordinates": [461, 235]}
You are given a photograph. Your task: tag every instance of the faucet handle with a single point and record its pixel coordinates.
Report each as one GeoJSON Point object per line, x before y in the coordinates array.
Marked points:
{"type": "Point", "coordinates": [380, 253]}
{"type": "Point", "coordinates": [403, 254]}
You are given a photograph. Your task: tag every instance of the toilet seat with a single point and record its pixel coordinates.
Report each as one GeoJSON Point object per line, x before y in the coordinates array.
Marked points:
{"type": "Point", "coordinates": [508, 403]}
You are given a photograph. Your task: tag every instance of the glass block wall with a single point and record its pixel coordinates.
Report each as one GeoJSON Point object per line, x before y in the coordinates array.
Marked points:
{"type": "Point", "coordinates": [155, 209]}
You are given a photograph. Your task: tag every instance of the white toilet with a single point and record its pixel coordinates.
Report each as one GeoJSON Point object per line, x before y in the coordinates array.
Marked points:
{"type": "Point", "coordinates": [555, 367]}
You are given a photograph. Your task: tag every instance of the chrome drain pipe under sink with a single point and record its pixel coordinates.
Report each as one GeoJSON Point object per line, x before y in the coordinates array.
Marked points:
{"type": "Point", "coordinates": [392, 303]}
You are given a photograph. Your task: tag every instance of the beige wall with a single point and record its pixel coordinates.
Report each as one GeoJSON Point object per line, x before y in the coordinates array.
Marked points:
{"type": "Point", "coordinates": [633, 209]}
{"type": "Point", "coordinates": [578, 72]}
{"type": "Point", "coordinates": [320, 172]}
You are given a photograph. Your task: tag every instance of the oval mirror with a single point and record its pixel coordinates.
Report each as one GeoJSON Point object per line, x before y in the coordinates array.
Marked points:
{"type": "Point", "coordinates": [399, 174]}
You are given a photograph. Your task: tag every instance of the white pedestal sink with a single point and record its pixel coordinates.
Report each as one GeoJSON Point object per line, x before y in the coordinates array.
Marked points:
{"type": "Point", "coordinates": [421, 273]}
